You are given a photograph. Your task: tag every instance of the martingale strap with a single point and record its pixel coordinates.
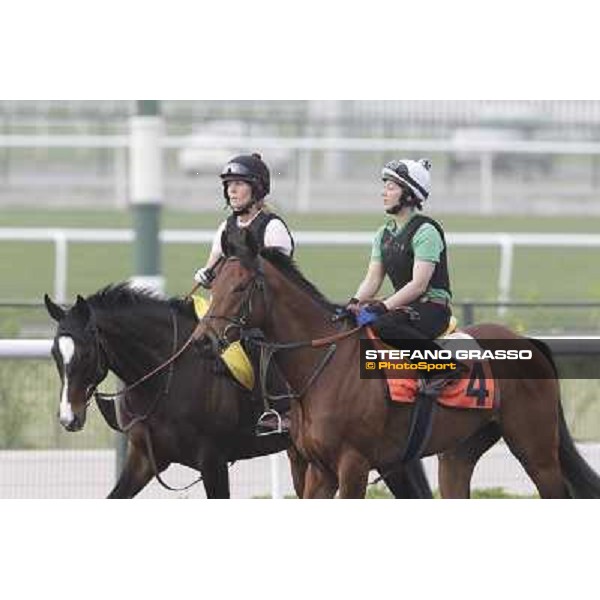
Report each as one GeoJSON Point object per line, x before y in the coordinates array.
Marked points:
{"type": "Point", "coordinates": [268, 351]}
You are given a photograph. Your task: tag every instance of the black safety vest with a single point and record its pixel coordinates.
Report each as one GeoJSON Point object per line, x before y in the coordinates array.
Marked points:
{"type": "Point", "coordinates": [256, 228]}
{"type": "Point", "coordinates": [398, 257]}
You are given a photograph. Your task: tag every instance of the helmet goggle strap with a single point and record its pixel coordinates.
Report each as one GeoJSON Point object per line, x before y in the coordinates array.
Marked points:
{"type": "Point", "coordinates": [235, 168]}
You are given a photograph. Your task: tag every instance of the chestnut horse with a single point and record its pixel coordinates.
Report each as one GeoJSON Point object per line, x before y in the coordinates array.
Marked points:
{"type": "Point", "coordinates": [191, 413]}
{"type": "Point", "coordinates": [343, 426]}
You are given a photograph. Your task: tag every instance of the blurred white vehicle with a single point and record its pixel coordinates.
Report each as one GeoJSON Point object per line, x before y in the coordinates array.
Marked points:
{"type": "Point", "coordinates": [194, 159]}
{"type": "Point", "coordinates": [501, 123]}
{"type": "Point", "coordinates": [466, 137]}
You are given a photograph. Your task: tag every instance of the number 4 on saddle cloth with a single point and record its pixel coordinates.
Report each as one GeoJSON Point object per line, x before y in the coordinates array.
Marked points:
{"type": "Point", "coordinates": [477, 389]}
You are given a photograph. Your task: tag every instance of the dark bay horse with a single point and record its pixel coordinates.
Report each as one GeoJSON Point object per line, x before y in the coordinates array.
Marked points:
{"type": "Point", "coordinates": [189, 413]}
{"type": "Point", "coordinates": [344, 426]}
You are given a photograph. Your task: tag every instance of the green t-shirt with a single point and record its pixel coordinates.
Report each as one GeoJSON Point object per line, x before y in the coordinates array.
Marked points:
{"type": "Point", "coordinates": [427, 245]}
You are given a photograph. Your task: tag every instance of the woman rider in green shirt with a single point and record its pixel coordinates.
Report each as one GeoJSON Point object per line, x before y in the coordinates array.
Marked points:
{"type": "Point", "coordinates": [411, 250]}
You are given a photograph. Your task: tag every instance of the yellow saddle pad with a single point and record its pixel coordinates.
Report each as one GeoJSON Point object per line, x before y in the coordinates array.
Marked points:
{"type": "Point", "coordinates": [234, 356]}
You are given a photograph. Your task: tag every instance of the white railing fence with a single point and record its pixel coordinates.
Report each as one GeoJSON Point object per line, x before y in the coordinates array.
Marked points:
{"type": "Point", "coordinates": [485, 152]}
{"type": "Point", "coordinates": [505, 242]}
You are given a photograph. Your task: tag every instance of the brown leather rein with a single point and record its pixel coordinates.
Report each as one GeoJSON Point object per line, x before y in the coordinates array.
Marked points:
{"type": "Point", "coordinates": [336, 337]}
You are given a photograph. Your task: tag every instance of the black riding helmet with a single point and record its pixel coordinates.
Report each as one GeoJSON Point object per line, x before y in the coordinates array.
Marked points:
{"type": "Point", "coordinates": [251, 169]}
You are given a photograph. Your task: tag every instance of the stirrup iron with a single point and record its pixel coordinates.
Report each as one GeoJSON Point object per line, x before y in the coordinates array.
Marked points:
{"type": "Point", "coordinates": [264, 416]}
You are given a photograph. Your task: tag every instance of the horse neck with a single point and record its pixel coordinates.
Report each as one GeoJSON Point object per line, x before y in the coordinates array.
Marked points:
{"type": "Point", "coordinates": [135, 343]}
{"type": "Point", "coordinates": [295, 315]}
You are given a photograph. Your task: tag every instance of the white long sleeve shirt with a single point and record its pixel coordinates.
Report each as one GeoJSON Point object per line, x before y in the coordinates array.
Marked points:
{"type": "Point", "coordinates": [276, 236]}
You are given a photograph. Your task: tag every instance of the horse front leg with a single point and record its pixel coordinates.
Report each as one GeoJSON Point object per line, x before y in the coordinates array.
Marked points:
{"type": "Point", "coordinates": [353, 474]}
{"type": "Point", "coordinates": [318, 483]}
{"type": "Point", "coordinates": [136, 474]}
{"type": "Point", "coordinates": [215, 476]}
{"type": "Point", "coordinates": [211, 461]}
{"type": "Point", "coordinates": [298, 467]}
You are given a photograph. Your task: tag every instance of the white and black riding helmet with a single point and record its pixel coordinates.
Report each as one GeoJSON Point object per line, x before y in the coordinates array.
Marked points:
{"type": "Point", "coordinates": [251, 169]}
{"type": "Point", "coordinates": [411, 175]}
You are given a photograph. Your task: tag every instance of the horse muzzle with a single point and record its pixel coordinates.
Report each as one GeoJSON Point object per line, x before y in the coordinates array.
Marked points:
{"type": "Point", "coordinates": [72, 422]}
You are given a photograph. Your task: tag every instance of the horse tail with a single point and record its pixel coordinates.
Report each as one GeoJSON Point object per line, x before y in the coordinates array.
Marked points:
{"type": "Point", "coordinates": [581, 479]}
{"type": "Point", "coordinates": [545, 350]}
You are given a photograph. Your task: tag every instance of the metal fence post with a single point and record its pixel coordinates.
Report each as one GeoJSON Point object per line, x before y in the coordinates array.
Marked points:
{"type": "Point", "coordinates": [146, 195]}
{"type": "Point", "coordinates": [468, 314]}
{"type": "Point", "coordinates": [60, 267]}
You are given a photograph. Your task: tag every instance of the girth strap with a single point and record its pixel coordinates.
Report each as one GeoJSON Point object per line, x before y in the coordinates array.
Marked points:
{"type": "Point", "coordinates": [421, 419]}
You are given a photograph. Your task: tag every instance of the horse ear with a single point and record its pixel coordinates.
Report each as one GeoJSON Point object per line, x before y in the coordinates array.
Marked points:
{"type": "Point", "coordinates": [54, 310]}
{"type": "Point", "coordinates": [83, 308]}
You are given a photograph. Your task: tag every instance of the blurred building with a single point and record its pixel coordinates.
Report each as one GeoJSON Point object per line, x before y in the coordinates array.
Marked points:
{"type": "Point", "coordinates": [523, 167]}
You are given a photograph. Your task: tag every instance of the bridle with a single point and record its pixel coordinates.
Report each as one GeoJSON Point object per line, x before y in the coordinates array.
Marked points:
{"type": "Point", "coordinates": [240, 322]}
{"type": "Point", "coordinates": [101, 370]}
{"type": "Point", "coordinates": [103, 365]}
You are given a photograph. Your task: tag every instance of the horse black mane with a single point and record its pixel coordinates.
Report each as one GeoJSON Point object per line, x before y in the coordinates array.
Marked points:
{"type": "Point", "coordinates": [289, 269]}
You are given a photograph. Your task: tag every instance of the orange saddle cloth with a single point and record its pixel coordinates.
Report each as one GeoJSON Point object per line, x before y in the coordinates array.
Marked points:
{"type": "Point", "coordinates": [477, 389]}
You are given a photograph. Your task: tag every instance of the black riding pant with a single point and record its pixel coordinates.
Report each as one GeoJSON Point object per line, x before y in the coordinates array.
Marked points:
{"type": "Point", "coordinates": [426, 321]}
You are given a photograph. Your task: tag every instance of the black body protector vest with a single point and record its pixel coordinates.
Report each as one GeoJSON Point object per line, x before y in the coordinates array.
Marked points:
{"type": "Point", "coordinates": [256, 228]}
{"type": "Point", "coordinates": [398, 257]}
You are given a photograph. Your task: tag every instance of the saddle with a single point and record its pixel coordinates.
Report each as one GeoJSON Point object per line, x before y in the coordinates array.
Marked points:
{"type": "Point", "coordinates": [476, 389]}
